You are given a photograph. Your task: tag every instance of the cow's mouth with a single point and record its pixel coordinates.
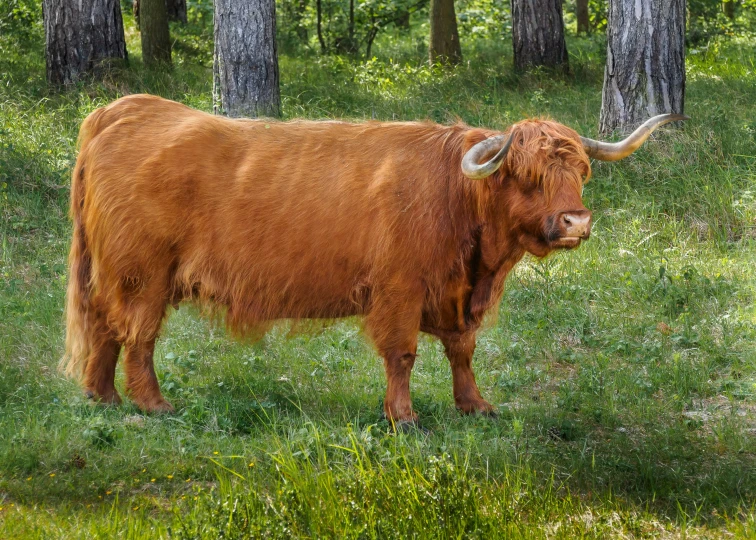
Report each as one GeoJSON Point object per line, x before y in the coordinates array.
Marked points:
{"type": "Point", "coordinates": [567, 242]}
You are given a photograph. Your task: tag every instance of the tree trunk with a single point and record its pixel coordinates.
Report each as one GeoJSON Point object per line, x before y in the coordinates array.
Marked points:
{"type": "Point", "coordinates": [583, 19]}
{"type": "Point", "coordinates": [403, 19]}
{"type": "Point", "coordinates": [728, 6]}
{"type": "Point", "coordinates": [156, 39]}
{"type": "Point", "coordinates": [538, 34]}
{"type": "Point", "coordinates": [176, 10]}
{"type": "Point", "coordinates": [444, 39]}
{"type": "Point", "coordinates": [347, 44]}
{"type": "Point", "coordinates": [319, 10]}
{"type": "Point", "coordinates": [645, 62]}
{"type": "Point", "coordinates": [245, 67]}
{"type": "Point", "coordinates": [80, 35]}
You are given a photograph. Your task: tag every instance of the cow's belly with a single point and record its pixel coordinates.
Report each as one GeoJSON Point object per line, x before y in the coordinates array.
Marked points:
{"type": "Point", "coordinates": [254, 293]}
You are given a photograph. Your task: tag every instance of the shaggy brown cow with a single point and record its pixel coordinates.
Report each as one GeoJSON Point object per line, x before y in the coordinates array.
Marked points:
{"type": "Point", "coordinates": [397, 222]}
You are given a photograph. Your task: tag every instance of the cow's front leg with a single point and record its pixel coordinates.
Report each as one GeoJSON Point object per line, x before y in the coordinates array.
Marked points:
{"type": "Point", "coordinates": [459, 350]}
{"type": "Point", "coordinates": [393, 323]}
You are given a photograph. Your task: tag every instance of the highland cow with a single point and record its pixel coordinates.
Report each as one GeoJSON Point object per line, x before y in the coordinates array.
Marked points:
{"type": "Point", "coordinates": [412, 226]}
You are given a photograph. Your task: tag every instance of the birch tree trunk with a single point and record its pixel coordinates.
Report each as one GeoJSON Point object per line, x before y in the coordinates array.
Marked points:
{"type": "Point", "coordinates": [156, 38]}
{"type": "Point", "coordinates": [80, 35]}
{"type": "Point", "coordinates": [538, 34]}
{"type": "Point", "coordinates": [245, 66]}
{"type": "Point", "coordinates": [444, 38]}
{"type": "Point", "coordinates": [645, 62]}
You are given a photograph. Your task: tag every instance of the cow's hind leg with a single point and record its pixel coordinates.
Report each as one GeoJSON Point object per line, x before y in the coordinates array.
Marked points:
{"type": "Point", "coordinates": [142, 317]}
{"type": "Point", "coordinates": [99, 374]}
{"type": "Point", "coordinates": [142, 385]}
{"type": "Point", "coordinates": [459, 350]}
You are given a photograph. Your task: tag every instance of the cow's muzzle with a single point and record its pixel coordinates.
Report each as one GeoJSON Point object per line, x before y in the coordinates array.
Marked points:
{"type": "Point", "coordinates": [570, 228]}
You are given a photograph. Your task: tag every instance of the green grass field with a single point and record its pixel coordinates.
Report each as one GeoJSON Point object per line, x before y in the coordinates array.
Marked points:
{"type": "Point", "coordinates": [624, 372]}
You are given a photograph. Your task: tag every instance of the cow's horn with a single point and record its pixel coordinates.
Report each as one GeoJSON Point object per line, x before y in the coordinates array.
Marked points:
{"type": "Point", "coordinates": [470, 166]}
{"type": "Point", "coordinates": [605, 151]}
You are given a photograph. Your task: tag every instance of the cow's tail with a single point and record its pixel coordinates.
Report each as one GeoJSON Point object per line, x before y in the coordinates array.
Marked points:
{"type": "Point", "coordinates": [78, 296]}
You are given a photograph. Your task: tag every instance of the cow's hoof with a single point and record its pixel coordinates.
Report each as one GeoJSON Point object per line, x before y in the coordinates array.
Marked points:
{"type": "Point", "coordinates": [109, 397]}
{"type": "Point", "coordinates": [155, 406]}
{"type": "Point", "coordinates": [481, 407]}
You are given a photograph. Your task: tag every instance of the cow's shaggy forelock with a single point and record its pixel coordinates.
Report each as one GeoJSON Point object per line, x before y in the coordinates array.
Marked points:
{"type": "Point", "coordinates": [549, 154]}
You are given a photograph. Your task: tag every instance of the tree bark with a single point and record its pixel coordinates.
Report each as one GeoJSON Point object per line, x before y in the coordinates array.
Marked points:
{"type": "Point", "coordinates": [80, 35]}
{"type": "Point", "coordinates": [176, 10]}
{"type": "Point", "coordinates": [583, 18]}
{"type": "Point", "coordinates": [319, 9]}
{"type": "Point", "coordinates": [538, 34]}
{"type": "Point", "coordinates": [645, 62]}
{"type": "Point", "coordinates": [156, 38]}
{"type": "Point", "coordinates": [444, 38]}
{"type": "Point", "coordinates": [245, 67]}
{"type": "Point", "coordinates": [403, 19]}
{"type": "Point", "coordinates": [728, 6]}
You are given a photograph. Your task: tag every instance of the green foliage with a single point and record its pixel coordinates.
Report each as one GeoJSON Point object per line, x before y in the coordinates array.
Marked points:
{"type": "Point", "coordinates": [597, 13]}
{"type": "Point", "coordinates": [484, 19]}
{"type": "Point", "coordinates": [19, 18]}
{"type": "Point", "coordinates": [707, 19]}
{"type": "Point", "coordinates": [20, 31]}
{"type": "Point", "coordinates": [347, 26]}
{"type": "Point", "coordinates": [199, 12]}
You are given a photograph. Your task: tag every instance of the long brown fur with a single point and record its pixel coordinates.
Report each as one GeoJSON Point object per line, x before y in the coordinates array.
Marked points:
{"type": "Point", "coordinates": [298, 220]}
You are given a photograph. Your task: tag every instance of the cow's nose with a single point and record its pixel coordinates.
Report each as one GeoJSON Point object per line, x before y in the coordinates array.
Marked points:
{"type": "Point", "coordinates": [576, 224]}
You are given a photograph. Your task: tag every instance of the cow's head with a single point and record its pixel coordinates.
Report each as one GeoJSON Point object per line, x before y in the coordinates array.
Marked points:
{"type": "Point", "coordinates": [539, 168]}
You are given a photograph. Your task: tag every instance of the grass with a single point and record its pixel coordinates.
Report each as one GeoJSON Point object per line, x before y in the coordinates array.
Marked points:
{"type": "Point", "coordinates": [624, 372]}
